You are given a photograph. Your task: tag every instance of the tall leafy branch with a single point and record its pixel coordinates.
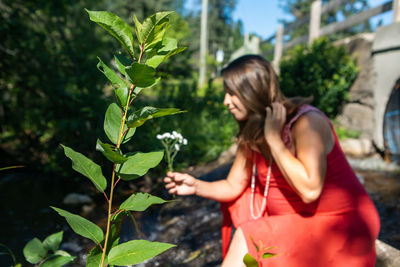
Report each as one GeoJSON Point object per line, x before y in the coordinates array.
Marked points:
{"type": "Point", "coordinates": [133, 74]}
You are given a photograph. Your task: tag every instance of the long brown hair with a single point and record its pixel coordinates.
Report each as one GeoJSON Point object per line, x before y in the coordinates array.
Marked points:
{"type": "Point", "coordinates": [253, 80]}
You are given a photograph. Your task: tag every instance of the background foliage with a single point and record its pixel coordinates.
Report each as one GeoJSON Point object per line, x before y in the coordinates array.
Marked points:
{"type": "Point", "coordinates": [322, 70]}
{"type": "Point", "coordinates": [51, 91]}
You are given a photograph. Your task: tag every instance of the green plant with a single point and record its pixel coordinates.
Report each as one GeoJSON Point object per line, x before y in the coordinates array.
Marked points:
{"type": "Point", "coordinates": [343, 132]}
{"type": "Point", "coordinates": [321, 70]}
{"type": "Point", "coordinates": [208, 124]}
{"type": "Point", "coordinates": [44, 254]}
{"type": "Point", "coordinates": [262, 253]}
{"type": "Point", "coordinates": [121, 120]}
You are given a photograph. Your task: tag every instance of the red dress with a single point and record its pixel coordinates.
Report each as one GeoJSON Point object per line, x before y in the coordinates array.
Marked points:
{"type": "Point", "coordinates": [338, 229]}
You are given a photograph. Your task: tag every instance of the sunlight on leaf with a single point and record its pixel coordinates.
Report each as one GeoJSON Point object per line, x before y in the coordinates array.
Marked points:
{"type": "Point", "coordinates": [136, 251]}
{"type": "Point", "coordinates": [141, 116]}
{"type": "Point", "coordinates": [140, 202]}
{"type": "Point", "coordinates": [138, 164]}
{"type": "Point", "coordinates": [115, 26]}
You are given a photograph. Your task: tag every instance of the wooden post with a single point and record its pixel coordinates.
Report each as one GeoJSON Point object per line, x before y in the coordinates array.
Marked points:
{"type": "Point", "coordinates": [396, 10]}
{"type": "Point", "coordinates": [278, 48]}
{"type": "Point", "coordinates": [203, 43]}
{"type": "Point", "coordinates": [315, 21]}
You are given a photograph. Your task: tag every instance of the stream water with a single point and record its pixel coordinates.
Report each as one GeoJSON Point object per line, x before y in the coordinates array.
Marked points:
{"type": "Point", "coordinates": [190, 222]}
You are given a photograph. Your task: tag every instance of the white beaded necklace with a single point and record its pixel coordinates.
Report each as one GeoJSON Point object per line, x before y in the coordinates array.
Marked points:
{"type": "Point", "coordinates": [253, 185]}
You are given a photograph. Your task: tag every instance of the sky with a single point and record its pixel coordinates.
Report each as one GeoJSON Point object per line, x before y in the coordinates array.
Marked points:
{"type": "Point", "coordinates": [262, 16]}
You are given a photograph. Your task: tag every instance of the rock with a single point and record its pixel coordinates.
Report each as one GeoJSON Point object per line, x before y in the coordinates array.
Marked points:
{"type": "Point", "coordinates": [358, 113]}
{"type": "Point", "coordinates": [372, 163]}
{"type": "Point", "coordinates": [77, 199]}
{"type": "Point", "coordinates": [387, 256]}
{"type": "Point", "coordinates": [357, 147]}
{"type": "Point", "coordinates": [357, 117]}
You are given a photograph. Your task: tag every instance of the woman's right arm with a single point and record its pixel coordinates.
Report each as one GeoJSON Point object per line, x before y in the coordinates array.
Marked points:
{"type": "Point", "coordinates": [222, 190]}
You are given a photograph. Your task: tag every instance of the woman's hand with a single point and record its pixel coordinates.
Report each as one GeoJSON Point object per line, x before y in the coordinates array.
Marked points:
{"type": "Point", "coordinates": [180, 183]}
{"type": "Point", "coordinates": [274, 122]}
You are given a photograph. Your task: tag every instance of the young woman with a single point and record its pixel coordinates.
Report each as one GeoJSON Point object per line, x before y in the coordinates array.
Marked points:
{"type": "Point", "coordinates": [290, 185]}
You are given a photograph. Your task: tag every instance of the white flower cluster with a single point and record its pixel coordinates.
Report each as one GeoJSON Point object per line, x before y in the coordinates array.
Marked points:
{"type": "Point", "coordinates": [174, 136]}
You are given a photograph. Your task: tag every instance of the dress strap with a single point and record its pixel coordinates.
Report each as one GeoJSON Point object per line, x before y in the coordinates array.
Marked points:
{"type": "Point", "coordinates": [286, 136]}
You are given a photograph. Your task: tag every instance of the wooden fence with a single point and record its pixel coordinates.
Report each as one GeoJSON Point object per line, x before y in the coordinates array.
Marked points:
{"type": "Point", "coordinates": [314, 21]}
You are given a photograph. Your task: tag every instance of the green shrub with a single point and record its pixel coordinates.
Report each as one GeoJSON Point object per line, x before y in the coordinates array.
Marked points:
{"type": "Point", "coordinates": [343, 132]}
{"type": "Point", "coordinates": [207, 124]}
{"type": "Point", "coordinates": [321, 70]}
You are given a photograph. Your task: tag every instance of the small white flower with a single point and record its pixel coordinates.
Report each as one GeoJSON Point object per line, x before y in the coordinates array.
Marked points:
{"type": "Point", "coordinates": [159, 137]}
{"type": "Point", "coordinates": [176, 147]}
{"type": "Point", "coordinates": [167, 135]}
{"type": "Point", "coordinates": [185, 141]}
{"type": "Point", "coordinates": [174, 133]}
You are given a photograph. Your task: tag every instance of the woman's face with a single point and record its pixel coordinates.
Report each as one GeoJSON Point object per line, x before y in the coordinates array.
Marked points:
{"type": "Point", "coordinates": [236, 107]}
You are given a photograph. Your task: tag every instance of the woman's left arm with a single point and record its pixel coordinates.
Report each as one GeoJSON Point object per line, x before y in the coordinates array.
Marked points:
{"type": "Point", "coordinates": [313, 140]}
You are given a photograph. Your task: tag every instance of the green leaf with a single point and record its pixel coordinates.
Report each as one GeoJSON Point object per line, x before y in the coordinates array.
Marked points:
{"type": "Point", "coordinates": [162, 51]}
{"type": "Point", "coordinates": [115, 26]}
{"type": "Point", "coordinates": [93, 259]}
{"type": "Point", "coordinates": [138, 164]}
{"type": "Point", "coordinates": [109, 153]}
{"type": "Point", "coordinates": [141, 116]}
{"type": "Point", "coordinates": [136, 251]}
{"type": "Point", "coordinates": [57, 261]}
{"type": "Point", "coordinates": [137, 89]}
{"type": "Point", "coordinates": [122, 62]}
{"type": "Point", "coordinates": [112, 124]}
{"type": "Point", "coordinates": [121, 86]}
{"type": "Point", "coordinates": [268, 248]}
{"type": "Point", "coordinates": [138, 28]}
{"type": "Point", "coordinates": [52, 242]}
{"type": "Point", "coordinates": [254, 243]}
{"type": "Point", "coordinates": [159, 32]}
{"type": "Point", "coordinates": [152, 26]}
{"type": "Point", "coordinates": [159, 58]}
{"type": "Point", "coordinates": [87, 167]}
{"type": "Point", "coordinates": [250, 261]}
{"type": "Point", "coordinates": [34, 251]}
{"type": "Point", "coordinates": [140, 202]}
{"type": "Point", "coordinates": [268, 255]}
{"type": "Point", "coordinates": [141, 75]}
{"type": "Point", "coordinates": [82, 226]}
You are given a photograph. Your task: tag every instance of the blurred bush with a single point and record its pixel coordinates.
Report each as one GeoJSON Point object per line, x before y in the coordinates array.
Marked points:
{"type": "Point", "coordinates": [343, 132]}
{"type": "Point", "coordinates": [207, 124]}
{"type": "Point", "coordinates": [321, 70]}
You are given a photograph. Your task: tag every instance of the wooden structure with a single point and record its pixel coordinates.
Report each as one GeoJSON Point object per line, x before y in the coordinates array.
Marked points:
{"type": "Point", "coordinates": [314, 21]}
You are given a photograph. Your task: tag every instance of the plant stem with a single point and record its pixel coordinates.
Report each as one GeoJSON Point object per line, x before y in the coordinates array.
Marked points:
{"type": "Point", "coordinates": [106, 197]}
{"type": "Point", "coordinates": [108, 219]}
{"type": "Point", "coordinates": [121, 133]}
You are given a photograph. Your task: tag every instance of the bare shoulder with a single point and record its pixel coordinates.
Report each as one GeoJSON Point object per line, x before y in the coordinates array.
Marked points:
{"type": "Point", "coordinates": [313, 127]}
